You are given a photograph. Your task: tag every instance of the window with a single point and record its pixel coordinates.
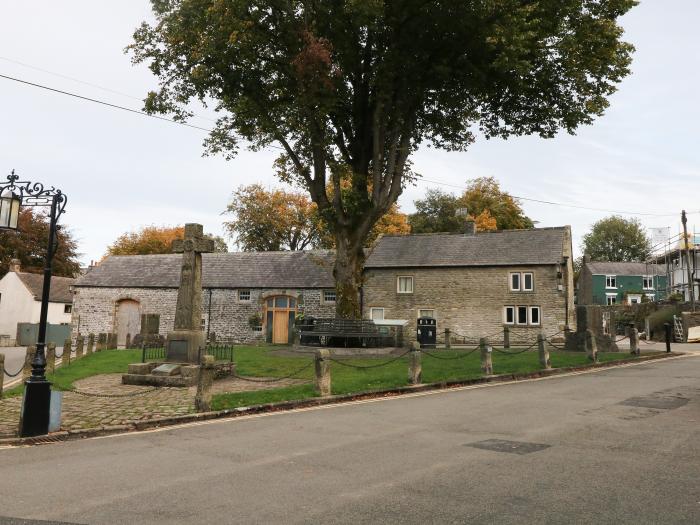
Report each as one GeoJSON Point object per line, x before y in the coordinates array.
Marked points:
{"type": "Point", "coordinates": [610, 281]}
{"type": "Point", "coordinates": [426, 313]}
{"type": "Point", "coordinates": [203, 324]}
{"type": "Point", "coordinates": [509, 315]}
{"type": "Point", "coordinates": [535, 315]}
{"type": "Point", "coordinates": [67, 308]}
{"type": "Point", "coordinates": [404, 284]}
{"type": "Point", "coordinates": [515, 282]}
{"type": "Point", "coordinates": [522, 315]}
{"type": "Point", "coordinates": [610, 299]}
{"type": "Point", "coordinates": [244, 296]}
{"type": "Point", "coordinates": [528, 282]}
{"type": "Point", "coordinates": [647, 282]}
{"type": "Point", "coordinates": [329, 296]}
{"type": "Point", "coordinates": [376, 314]}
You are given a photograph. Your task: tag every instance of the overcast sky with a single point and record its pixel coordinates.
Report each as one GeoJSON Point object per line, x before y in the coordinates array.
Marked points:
{"type": "Point", "coordinates": [122, 171]}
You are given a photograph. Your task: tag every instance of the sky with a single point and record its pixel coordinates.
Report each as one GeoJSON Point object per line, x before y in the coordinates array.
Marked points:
{"type": "Point", "coordinates": [122, 171]}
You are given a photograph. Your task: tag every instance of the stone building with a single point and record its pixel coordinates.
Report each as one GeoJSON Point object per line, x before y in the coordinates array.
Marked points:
{"type": "Point", "coordinates": [474, 283]}
{"type": "Point", "coordinates": [247, 296]}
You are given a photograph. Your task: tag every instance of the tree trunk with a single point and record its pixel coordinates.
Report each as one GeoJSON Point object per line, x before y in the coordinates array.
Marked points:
{"type": "Point", "coordinates": [349, 262]}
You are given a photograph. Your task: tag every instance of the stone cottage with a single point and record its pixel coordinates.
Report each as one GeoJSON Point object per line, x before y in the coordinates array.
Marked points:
{"type": "Point", "coordinates": [474, 283]}
{"type": "Point", "coordinates": [247, 296]}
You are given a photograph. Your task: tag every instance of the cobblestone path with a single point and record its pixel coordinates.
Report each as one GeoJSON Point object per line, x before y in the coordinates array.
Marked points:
{"type": "Point", "coordinates": [83, 410]}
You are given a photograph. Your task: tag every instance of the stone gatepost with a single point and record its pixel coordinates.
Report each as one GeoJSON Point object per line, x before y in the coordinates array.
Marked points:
{"type": "Point", "coordinates": [448, 338]}
{"type": "Point", "coordinates": [28, 358]}
{"type": "Point", "coordinates": [591, 346]}
{"type": "Point", "coordinates": [127, 344]}
{"type": "Point", "coordinates": [543, 352]}
{"type": "Point", "coordinates": [415, 367]}
{"type": "Point", "coordinates": [322, 362]}
{"type": "Point", "coordinates": [634, 341]}
{"type": "Point", "coordinates": [2, 372]}
{"type": "Point", "coordinates": [202, 400]}
{"type": "Point", "coordinates": [506, 337]}
{"type": "Point", "coordinates": [79, 346]}
{"type": "Point", "coordinates": [50, 358]}
{"type": "Point", "coordinates": [486, 362]}
{"type": "Point", "coordinates": [90, 344]}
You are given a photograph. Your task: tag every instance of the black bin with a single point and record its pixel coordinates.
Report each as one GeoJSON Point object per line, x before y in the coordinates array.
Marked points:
{"type": "Point", "coordinates": [427, 332]}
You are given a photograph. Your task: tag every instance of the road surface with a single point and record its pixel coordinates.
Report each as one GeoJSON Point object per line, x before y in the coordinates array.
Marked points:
{"type": "Point", "coordinates": [613, 446]}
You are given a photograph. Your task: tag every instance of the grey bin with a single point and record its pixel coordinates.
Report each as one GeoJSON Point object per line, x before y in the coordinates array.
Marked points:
{"type": "Point", "coordinates": [427, 332]}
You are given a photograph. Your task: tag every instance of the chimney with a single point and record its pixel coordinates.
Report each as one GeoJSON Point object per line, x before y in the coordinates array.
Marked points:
{"type": "Point", "coordinates": [586, 258]}
{"type": "Point", "coordinates": [469, 226]}
{"type": "Point", "coordinates": [15, 266]}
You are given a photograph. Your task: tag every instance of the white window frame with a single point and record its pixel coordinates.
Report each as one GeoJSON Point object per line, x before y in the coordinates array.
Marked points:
{"type": "Point", "coordinates": [419, 310]}
{"type": "Point", "coordinates": [510, 281]}
{"type": "Point", "coordinates": [609, 296]}
{"type": "Point", "coordinates": [532, 282]}
{"type": "Point", "coordinates": [647, 282]}
{"type": "Point", "coordinates": [505, 315]}
{"type": "Point", "coordinates": [517, 315]}
{"type": "Point", "coordinates": [398, 284]}
{"type": "Point", "coordinates": [376, 308]}
{"type": "Point", "coordinates": [531, 309]}
{"type": "Point", "coordinates": [241, 299]}
{"type": "Point", "coordinates": [329, 301]}
{"type": "Point", "coordinates": [613, 279]}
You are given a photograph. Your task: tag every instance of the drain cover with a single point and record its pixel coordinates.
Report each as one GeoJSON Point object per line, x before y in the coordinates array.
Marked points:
{"type": "Point", "coordinates": [513, 447]}
{"type": "Point", "coordinates": [664, 403]}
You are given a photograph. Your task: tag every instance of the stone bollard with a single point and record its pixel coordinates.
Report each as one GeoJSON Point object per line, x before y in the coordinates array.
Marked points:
{"type": "Point", "coordinates": [486, 362]}
{"type": "Point", "coordinates": [415, 367]}
{"type": "Point", "coordinates": [79, 346]}
{"type": "Point", "coordinates": [448, 338]}
{"type": "Point", "coordinates": [591, 346]}
{"type": "Point", "coordinates": [322, 363]}
{"type": "Point", "coordinates": [50, 358]}
{"type": "Point", "coordinates": [28, 358]}
{"type": "Point", "coordinates": [101, 338]}
{"type": "Point", "coordinates": [67, 350]}
{"type": "Point", "coordinates": [2, 373]}
{"type": "Point", "coordinates": [202, 400]}
{"type": "Point", "coordinates": [634, 341]}
{"type": "Point", "coordinates": [506, 337]}
{"type": "Point", "coordinates": [127, 344]}
{"type": "Point", "coordinates": [91, 344]}
{"type": "Point", "coordinates": [544, 353]}
{"type": "Point", "coordinates": [296, 341]}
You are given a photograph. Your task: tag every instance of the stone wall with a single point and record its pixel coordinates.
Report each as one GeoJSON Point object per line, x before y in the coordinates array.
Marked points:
{"type": "Point", "coordinates": [470, 301]}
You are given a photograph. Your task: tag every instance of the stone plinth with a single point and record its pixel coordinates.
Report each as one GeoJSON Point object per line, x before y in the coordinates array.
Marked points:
{"type": "Point", "coordinates": [185, 376]}
{"type": "Point", "coordinates": [589, 317]}
{"type": "Point", "coordinates": [183, 346]}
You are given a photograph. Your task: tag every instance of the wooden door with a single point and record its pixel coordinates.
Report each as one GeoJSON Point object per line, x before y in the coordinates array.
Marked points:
{"type": "Point", "coordinates": [128, 320]}
{"type": "Point", "coordinates": [280, 328]}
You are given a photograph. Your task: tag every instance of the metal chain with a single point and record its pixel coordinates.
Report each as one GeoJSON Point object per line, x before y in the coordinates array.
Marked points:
{"type": "Point", "coordinates": [370, 366]}
{"type": "Point", "coordinates": [500, 351]}
{"type": "Point", "coordinates": [131, 394]}
{"type": "Point", "coordinates": [276, 379]}
{"type": "Point", "coordinates": [14, 375]}
{"type": "Point", "coordinates": [461, 356]}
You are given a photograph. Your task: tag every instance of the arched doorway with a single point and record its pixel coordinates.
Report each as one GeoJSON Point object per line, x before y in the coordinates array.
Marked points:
{"type": "Point", "coordinates": [128, 320]}
{"type": "Point", "coordinates": [279, 318]}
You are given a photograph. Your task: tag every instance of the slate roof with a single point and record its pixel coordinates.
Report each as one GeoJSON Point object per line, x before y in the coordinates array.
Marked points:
{"type": "Point", "coordinates": [60, 287]}
{"type": "Point", "coordinates": [308, 269]}
{"type": "Point", "coordinates": [500, 248]}
{"type": "Point", "coordinates": [624, 268]}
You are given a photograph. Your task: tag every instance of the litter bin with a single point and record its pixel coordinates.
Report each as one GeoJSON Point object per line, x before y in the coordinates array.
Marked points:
{"type": "Point", "coordinates": [427, 332]}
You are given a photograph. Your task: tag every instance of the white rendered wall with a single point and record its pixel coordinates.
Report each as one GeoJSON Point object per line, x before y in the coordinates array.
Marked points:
{"type": "Point", "coordinates": [16, 304]}
{"type": "Point", "coordinates": [55, 315]}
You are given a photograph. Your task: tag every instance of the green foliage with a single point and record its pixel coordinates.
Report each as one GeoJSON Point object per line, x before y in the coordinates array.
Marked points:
{"type": "Point", "coordinates": [483, 197]}
{"type": "Point", "coordinates": [355, 87]}
{"type": "Point", "coordinates": [617, 239]}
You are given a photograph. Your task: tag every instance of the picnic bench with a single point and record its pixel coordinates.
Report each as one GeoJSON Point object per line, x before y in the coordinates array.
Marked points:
{"type": "Point", "coordinates": [346, 332]}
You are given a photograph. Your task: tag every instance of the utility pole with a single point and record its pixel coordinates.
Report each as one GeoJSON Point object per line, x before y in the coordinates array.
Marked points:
{"type": "Point", "coordinates": [691, 284]}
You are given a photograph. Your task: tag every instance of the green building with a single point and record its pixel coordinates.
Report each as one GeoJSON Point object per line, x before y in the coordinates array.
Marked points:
{"type": "Point", "coordinates": [610, 283]}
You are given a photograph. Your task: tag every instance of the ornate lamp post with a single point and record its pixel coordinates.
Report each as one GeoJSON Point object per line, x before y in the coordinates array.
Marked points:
{"type": "Point", "coordinates": [34, 419]}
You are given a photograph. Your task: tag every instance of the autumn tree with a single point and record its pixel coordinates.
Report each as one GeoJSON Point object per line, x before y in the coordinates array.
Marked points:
{"type": "Point", "coordinates": [29, 245]}
{"type": "Point", "coordinates": [356, 86]}
{"type": "Point", "coordinates": [155, 239]}
{"type": "Point", "coordinates": [617, 239]}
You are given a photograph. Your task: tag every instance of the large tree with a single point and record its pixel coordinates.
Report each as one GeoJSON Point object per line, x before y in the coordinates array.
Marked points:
{"type": "Point", "coordinates": [617, 239]}
{"type": "Point", "coordinates": [29, 244]}
{"type": "Point", "coordinates": [155, 239]}
{"type": "Point", "coordinates": [354, 87]}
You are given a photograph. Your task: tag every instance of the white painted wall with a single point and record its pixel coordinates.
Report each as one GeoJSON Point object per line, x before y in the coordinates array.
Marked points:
{"type": "Point", "coordinates": [17, 305]}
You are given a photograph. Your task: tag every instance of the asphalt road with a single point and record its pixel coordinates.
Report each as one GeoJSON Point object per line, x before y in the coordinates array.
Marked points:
{"type": "Point", "coordinates": [615, 446]}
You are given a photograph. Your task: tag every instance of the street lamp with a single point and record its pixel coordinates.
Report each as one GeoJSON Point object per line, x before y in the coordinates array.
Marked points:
{"type": "Point", "coordinates": [34, 418]}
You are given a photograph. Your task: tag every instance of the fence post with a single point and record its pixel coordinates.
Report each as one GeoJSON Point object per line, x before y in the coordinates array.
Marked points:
{"type": "Point", "coordinates": [486, 362]}
{"type": "Point", "coordinates": [143, 352]}
{"type": "Point", "coordinates": [91, 343]}
{"type": "Point", "coordinates": [415, 368]}
{"type": "Point", "coordinates": [28, 358]}
{"type": "Point", "coordinates": [2, 373]}
{"type": "Point", "coordinates": [667, 333]}
{"type": "Point", "coordinates": [50, 358]}
{"type": "Point", "coordinates": [322, 365]}
{"type": "Point", "coordinates": [634, 341]}
{"type": "Point", "coordinates": [544, 353]}
{"type": "Point", "coordinates": [79, 345]}
{"type": "Point", "coordinates": [506, 337]}
{"type": "Point", "coordinates": [202, 400]}
{"type": "Point", "coordinates": [591, 346]}
{"type": "Point", "coordinates": [448, 338]}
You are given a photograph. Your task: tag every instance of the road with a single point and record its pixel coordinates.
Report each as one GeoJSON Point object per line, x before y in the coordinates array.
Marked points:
{"type": "Point", "coordinates": [613, 446]}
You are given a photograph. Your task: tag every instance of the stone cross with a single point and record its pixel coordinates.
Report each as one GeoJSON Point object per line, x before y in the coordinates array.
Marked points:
{"type": "Point", "coordinates": [188, 313]}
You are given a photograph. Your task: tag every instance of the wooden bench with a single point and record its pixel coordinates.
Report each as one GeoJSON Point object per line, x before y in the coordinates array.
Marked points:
{"type": "Point", "coordinates": [325, 331]}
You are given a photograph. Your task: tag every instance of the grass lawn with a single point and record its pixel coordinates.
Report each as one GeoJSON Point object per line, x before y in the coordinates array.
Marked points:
{"type": "Point", "coordinates": [257, 361]}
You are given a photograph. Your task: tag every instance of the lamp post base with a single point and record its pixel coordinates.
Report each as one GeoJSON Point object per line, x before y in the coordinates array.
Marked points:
{"type": "Point", "coordinates": [36, 402]}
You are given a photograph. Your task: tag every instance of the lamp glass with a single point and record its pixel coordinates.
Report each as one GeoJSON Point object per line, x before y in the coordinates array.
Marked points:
{"type": "Point", "coordinates": [9, 210]}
